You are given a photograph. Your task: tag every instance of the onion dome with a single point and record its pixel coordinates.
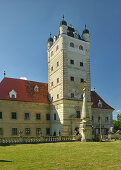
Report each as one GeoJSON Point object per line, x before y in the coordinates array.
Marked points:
{"type": "Point", "coordinates": [63, 22]}
{"type": "Point", "coordinates": [85, 30]}
{"type": "Point", "coordinates": [50, 39]}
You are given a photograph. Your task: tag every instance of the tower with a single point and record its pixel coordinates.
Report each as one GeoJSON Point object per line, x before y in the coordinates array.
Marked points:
{"type": "Point", "coordinates": [68, 68]}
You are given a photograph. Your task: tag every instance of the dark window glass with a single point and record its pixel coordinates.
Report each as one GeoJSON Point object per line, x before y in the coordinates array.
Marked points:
{"type": "Point", "coordinates": [81, 47]}
{"type": "Point", "coordinates": [13, 96]}
{"type": "Point", "coordinates": [78, 114]}
{"type": "Point", "coordinates": [47, 131]}
{"type": "Point", "coordinates": [57, 96]}
{"type": "Point", "coordinates": [72, 78]}
{"type": "Point", "coordinates": [57, 80]}
{"type": "Point", "coordinates": [38, 116]}
{"type": "Point", "coordinates": [27, 131]}
{"type": "Point", "coordinates": [14, 131]}
{"type": "Point", "coordinates": [38, 131]}
{"type": "Point", "coordinates": [51, 83]}
{"type": "Point", "coordinates": [99, 119]}
{"type": "Point", "coordinates": [81, 63]}
{"type": "Point", "coordinates": [1, 131]}
{"type": "Point", "coordinates": [51, 68]}
{"type": "Point", "coordinates": [47, 116]}
{"type": "Point", "coordinates": [82, 80]}
{"type": "Point", "coordinates": [92, 118]}
{"type": "Point", "coordinates": [57, 63]}
{"type": "Point", "coordinates": [55, 116]}
{"type": "Point", "coordinates": [71, 44]}
{"type": "Point", "coordinates": [106, 119]}
{"type": "Point", "coordinates": [26, 115]}
{"type": "Point", "coordinates": [13, 115]}
{"type": "Point", "coordinates": [72, 95]}
{"type": "Point", "coordinates": [71, 61]}
{"type": "Point", "coordinates": [0, 115]}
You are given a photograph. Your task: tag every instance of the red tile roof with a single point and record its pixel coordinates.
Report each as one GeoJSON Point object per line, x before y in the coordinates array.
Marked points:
{"type": "Point", "coordinates": [24, 90]}
{"type": "Point", "coordinates": [95, 99]}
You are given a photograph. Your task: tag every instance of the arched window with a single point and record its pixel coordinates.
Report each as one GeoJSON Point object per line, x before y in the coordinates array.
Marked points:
{"type": "Point", "coordinates": [13, 96]}
{"type": "Point", "coordinates": [72, 44]}
{"type": "Point", "coordinates": [51, 53]}
{"type": "Point", "coordinates": [57, 47]}
{"type": "Point", "coordinates": [81, 47]}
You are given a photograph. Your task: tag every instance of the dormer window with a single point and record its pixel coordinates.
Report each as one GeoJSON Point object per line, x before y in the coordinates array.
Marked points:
{"type": "Point", "coordinates": [100, 104]}
{"type": "Point", "coordinates": [36, 88]}
{"type": "Point", "coordinates": [12, 94]}
{"type": "Point", "coordinates": [72, 44]}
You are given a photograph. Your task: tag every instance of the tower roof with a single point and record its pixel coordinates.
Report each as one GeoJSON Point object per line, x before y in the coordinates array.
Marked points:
{"type": "Point", "coordinates": [63, 22]}
{"type": "Point", "coordinates": [85, 30]}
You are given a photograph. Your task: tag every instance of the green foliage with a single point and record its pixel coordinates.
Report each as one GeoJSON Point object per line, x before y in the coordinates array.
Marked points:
{"type": "Point", "coordinates": [117, 123]}
{"type": "Point", "coordinates": [61, 156]}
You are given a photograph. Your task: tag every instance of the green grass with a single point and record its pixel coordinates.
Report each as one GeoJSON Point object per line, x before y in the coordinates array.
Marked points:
{"type": "Point", "coordinates": [70, 155]}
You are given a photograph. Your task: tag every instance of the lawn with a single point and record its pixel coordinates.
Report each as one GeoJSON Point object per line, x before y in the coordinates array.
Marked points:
{"type": "Point", "coordinates": [66, 155]}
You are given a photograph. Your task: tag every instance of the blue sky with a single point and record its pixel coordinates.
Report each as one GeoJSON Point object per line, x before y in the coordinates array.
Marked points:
{"type": "Point", "coordinates": [25, 26]}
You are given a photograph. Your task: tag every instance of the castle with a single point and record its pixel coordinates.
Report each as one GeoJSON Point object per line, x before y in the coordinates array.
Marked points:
{"type": "Point", "coordinates": [34, 108]}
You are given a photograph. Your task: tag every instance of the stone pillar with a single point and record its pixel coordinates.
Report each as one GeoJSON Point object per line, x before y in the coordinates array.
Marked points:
{"type": "Point", "coordinates": [85, 124]}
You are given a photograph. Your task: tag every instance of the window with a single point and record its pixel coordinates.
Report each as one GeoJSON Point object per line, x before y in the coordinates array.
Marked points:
{"type": "Point", "coordinates": [57, 80]}
{"type": "Point", "coordinates": [81, 63]}
{"type": "Point", "coordinates": [38, 116]}
{"type": "Point", "coordinates": [13, 115]}
{"type": "Point", "coordinates": [57, 96]}
{"type": "Point", "coordinates": [14, 131]}
{"type": "Point", "coordinates": [78, 114]}
{"type": "Point", "coordinates": [27, 131]}
{"type": "Point", "coordinates": [26, 115]}
{"type": "Point", "coordinates": [92, 118]}
{"type": "Point", "coordinates": [72, 95]}
{"type": "Point", "coordinates": [106, 119]}
{"type": "Point", "coordinates": [57, 47]}
{"type": "Point", "coordinates": [71, 61]}
{"type": "Point", "coordinates": [51, 68]}
{"type": "Point", "coordinates": [47, 116]}
{"type": "Point", "coordinates": [81, 47]}
{"type": "Point", "coordinates": [36, 88]}
{"type": "Point", "coordinates": [0, 115]}
{"type": "Point", "coordinates": [51, 83]}
{"type": "Point", "coordinates": [72, 44]}
{"type": "Point", "coordinates": [38, 131]}
{"type": "Point", "coordinates": [99, 119]}
{"type": "Point", "coordinates": [51, 53]}
{"type": "Point", "coordinates": [57, 63]}
{"type": "Point", "coordinates": [72, 78]}
{"type": "Point", "coordinates": [12, 94]}
{"type": "Point", "coordinates": [55, 116]}
{"type": "Point", "coordinates": [47, 131]}
{"type": "Point", "coordinates": [82, 80]}
{"type": "Point", "coordinates": [1, 131]}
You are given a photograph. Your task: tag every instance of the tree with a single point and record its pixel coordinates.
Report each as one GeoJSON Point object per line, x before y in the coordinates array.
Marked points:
{"type": "Point", "coordinates": [117, 123]}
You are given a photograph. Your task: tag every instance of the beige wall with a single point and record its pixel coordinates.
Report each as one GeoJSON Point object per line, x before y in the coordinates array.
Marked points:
{"type": "Point", "coordinates": [7, 123]}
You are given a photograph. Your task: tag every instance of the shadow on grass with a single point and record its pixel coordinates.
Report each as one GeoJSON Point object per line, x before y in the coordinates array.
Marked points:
{"type": "Point", "coordinates": [5, 161]}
